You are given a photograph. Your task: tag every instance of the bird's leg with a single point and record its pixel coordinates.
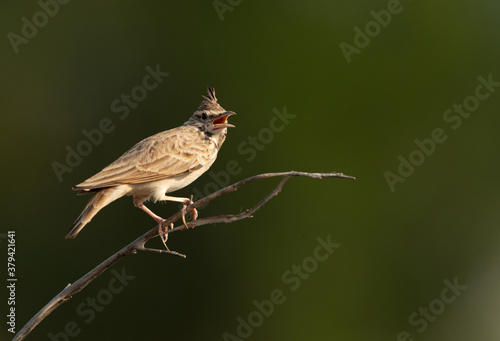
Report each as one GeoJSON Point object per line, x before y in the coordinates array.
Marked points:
{"type": "Point", "coordinates": [158, 219]}
{"type": "Point", "coordinates": [185, 202]}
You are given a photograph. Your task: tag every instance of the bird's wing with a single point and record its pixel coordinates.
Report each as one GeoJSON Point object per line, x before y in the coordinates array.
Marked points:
{"type": "Point", "coordinates": [164, 155]}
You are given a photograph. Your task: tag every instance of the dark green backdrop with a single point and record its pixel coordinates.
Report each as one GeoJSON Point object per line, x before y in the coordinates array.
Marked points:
{"type": "Point", "coordinates": [416, 245]}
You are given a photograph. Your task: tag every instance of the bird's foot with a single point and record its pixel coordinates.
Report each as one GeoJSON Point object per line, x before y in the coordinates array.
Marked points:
{"type": "Point", "coordinates": [193, 213]}
{"type": "Point", "coordinates": [162, 234]}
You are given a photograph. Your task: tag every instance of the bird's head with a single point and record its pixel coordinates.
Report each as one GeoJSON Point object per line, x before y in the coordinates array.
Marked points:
{"type": "Point", "coordinates": [210, 117]}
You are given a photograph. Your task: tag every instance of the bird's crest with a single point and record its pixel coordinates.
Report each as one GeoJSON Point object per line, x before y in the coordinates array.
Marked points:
{"type": "Point", "coordinates": [210, 101]}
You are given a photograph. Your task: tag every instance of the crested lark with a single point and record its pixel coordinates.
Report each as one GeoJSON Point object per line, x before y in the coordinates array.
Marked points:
{"type": "Point", "coordinates": [159, 164]}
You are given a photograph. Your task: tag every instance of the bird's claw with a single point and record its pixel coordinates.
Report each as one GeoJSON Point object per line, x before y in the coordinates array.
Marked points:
{"type": "Point", "coordinates": [193, 213]}
{"type": "Point", "coordinates": [163, 235]}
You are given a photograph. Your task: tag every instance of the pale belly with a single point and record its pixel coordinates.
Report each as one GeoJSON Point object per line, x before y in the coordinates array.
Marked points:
{"type": "Point", "coordinates": [157, 189]}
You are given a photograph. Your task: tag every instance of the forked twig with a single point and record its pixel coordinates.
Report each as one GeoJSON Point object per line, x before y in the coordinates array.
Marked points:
{"type": "Point", "coordinates": [139, 243]}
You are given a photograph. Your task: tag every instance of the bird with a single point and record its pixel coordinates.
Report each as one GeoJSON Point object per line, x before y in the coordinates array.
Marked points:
{"type": "Point", "coordinates": [159, 164]}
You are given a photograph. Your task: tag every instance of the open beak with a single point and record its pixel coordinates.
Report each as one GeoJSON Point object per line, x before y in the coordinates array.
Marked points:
{"type": "Point", "coordinates": [221, 122]}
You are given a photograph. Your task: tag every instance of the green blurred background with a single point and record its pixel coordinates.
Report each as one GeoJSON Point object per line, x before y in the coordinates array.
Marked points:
{"type": "Point", "coordinates": [397, 248]}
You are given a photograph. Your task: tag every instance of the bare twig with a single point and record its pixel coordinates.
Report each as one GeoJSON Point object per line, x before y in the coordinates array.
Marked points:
{"type": "Point", "coordinates": [139, 243]}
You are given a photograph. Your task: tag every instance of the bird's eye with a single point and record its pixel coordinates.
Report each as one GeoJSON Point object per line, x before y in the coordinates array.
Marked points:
{"type": "Point", "coordinates": [203, 116]}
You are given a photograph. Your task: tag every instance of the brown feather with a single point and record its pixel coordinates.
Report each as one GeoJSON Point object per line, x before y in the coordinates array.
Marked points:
{"type": "Point", "coordinates": [155, 158]}
{"type": "Point", "coordinates": [96, 203]}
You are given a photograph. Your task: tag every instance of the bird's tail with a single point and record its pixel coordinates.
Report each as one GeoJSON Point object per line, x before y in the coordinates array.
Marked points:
{"type": "Point", "coordinates": [99, 200]}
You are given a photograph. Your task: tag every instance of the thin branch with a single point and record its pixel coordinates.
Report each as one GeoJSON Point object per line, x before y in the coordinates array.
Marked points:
{"type": "Point", "coordinates": [139, 244]}
{"type": "Point", "coordinates": [161, 251]}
